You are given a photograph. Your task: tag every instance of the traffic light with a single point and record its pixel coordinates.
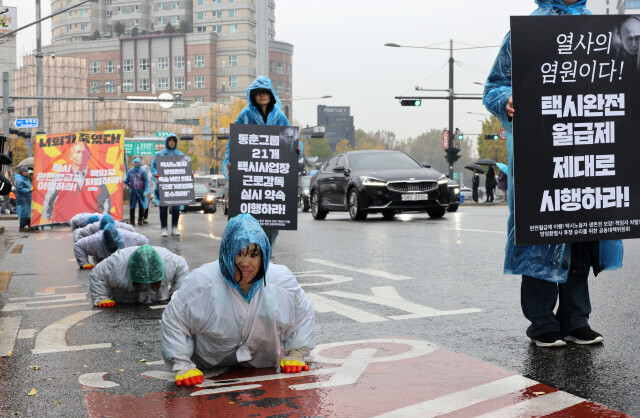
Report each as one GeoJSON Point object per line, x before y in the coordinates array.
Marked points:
{"type": "Point", "coordinates": [410, 102]}
{"type": "Point", "coordinates": [492, 136]}
{"type": "Point", "coordinates": [452, 155]}
{"type": "Point", "coordinates": [458, 135]}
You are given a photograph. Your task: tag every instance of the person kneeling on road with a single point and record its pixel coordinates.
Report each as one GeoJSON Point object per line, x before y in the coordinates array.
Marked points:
{"type": "Point", "coordinates": [94, 227]}
{"type": "Point", "coordinates": [104, 243]}
{"type": "Point", "coordinates": [82, 219]}
{"type": "Point", "coordinates": [238, 310]}
{"type": "Point", "coordinates": [143, 274]}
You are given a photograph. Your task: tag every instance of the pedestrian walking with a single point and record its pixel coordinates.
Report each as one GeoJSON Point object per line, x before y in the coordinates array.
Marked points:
{"type": "Point", "coordinates": [23, 198]}
{"type": "Point", "coordinates": [170, 148]}
{"type": "Point", "coordinates": [263, 109]}
{"type": "Point", "coordinates": [138, 274]}
{"type": "Point", "coordinates": [138, 181]}
{"type": "Point", "coordinates": [475, 183]}
{"type": "Point", "coordinates": [502, 183]}
{"type": "Point", "coordinates": [147, 195]}
{"type": "Point", "coordinates": [551, 273]}
{"type": "Point", "coordinates": [238, 310]}
{"type": "Point", "coordinates": [490, 183]}
{"type": "Point", "coordinates": [104, 243]}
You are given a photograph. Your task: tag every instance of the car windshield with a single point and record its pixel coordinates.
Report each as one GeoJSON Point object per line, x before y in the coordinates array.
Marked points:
{"type": "Point", "coordinates": [200, 188]}
{"type": "Point", "coordinates": [381, 161]}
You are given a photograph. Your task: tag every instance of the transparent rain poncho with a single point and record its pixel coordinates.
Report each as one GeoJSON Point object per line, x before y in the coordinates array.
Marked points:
{"type": "Point", "coordinates": [547, 262]}
{"type": "Point", "coordinates": [145, 266]}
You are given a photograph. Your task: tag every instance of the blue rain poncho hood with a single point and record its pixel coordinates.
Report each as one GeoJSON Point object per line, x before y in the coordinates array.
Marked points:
{"type": "Point", "coordinates": [242, 231]}
{"type": "Point", "coordinates": [106, 219]}
{"type": "Point", "coordinates": [145, 266]}
{"type": "Point", "coordinates": [139, 160]}
{"type": "Point", "coordinates": [166, 143]}
{"type": "Point", "coordinates": [550, 262]}
{"type": "Point", "coordinates": [91, 219]}
{"type": "Point", "coordinates": [111, 238]}
{"type": "Point", "coordinates": [263, 83]}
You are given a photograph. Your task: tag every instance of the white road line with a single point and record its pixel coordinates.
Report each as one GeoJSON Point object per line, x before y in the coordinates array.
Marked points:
{"type": "Point", "coordinates": [324, 305]}
{"type": "Point", "coordinates": [158, 306]}
{"type": "Point", "coordinates": [484, 231]}
{"type": "Point", "coordinates": [370, 272]}
{"type": "Point", "coordinates": [224, 390]}
{"type": "Point", "coordinates": [536, 407]}
{"type": "Point", "coordinates": [209, 235]}
{"type": "Point", "coordinates": [463, 399]}
{"type": "Point", "coordinates": [36, 304]}
{"type": "Point", "coordinates": [95, 380]}
{"type": "Point", "coordinates": [52, 339]}
{"type": "Point", "coordinates": [9, 326]}
{"type": "Point", "coordinates": [27, 333]}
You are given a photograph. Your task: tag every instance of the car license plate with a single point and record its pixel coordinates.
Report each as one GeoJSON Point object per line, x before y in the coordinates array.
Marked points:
{"type": "Point", "coordinates": [418, 196]}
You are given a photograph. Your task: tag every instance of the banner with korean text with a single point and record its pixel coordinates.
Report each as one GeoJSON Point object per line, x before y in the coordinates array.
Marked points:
{"type": "Point", "coordinates": [77, 172]}
{"type": "Point", "coordinates": [575, 130]}
{"type": "Point", "coordinates": [175, 180]}
{"type": "Point", "coordinates": [263, 177]}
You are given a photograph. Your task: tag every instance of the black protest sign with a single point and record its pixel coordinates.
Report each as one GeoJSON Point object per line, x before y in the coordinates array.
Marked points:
{"type": "Point", "coordinates": [175, 180]}
{"type": "Point", "coordinates": [575, 140]}
{"type": "Point", "coordinates": [263, 177]}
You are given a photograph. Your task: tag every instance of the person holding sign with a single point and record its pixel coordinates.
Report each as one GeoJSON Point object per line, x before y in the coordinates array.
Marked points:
{"type": "Point", "coordinates": [170, 148]}
{"type": "Point", "coordinates": [239, 310]}
{"type": "Point", "coordinates": [263, 109]}
{"type": "Point", "coordinates": [23, 198]}
{"type": "Point", "coordinates": [550, 272]}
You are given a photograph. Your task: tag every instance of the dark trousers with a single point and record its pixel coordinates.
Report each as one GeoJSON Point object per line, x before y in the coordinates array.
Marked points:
{"type": "Point", "coordinates": [490, 194]}
{"type": "Point", "coordinates": [175, 216]}
{"type": "Point", "coordinates": [146, 214]}
{"type": "Point", "coordinates": [24, 222]}
{"type": "Point", "coordinates": [538, 299]}
{"type": "Point", "coordinates": [474, 194]}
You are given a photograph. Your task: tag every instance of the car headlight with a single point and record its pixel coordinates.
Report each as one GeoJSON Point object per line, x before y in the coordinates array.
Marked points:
{"type": "Point", "coordinates": [370, 181]}
{"type": "Point", "coordinates": [210, 198]}
{"type": "Point", "coordinates": [442, 180]}
{"type": "Point", "coordinates": [456, 190]}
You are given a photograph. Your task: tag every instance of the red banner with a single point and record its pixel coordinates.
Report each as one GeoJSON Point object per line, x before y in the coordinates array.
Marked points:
{"type": "Point", "coordinates": [77, 172]}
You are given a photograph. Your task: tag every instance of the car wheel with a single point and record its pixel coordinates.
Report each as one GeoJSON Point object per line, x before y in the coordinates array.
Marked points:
{"type": "Point", "coordinates": [452, 208]}
{"type": "Point", "coordinates": [356, 213]}
{"type": "Point", "coordinates": [213, 209]}
{"type": "Point", "coordinates": [317, 213]}
{"type": "Point", "coordinates": [388, 214]}
{"type": "Point", "coordinates": [435, 213]}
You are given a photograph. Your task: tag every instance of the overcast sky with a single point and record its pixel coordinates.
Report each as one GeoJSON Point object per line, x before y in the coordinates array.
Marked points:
{"type": "Point", "coordinates": [339, 51]}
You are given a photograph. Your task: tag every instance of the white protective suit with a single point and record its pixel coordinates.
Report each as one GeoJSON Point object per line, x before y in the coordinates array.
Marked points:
{"type": "Point", "coordinates": [80, 220]}
{"type": "Point", "coordinates": [210, 322]}
{"type": "Point", "coordinates": [110, 278]}
{"type": "Point", "coordinates": [94, 245]}
{"type": "Point", "coordinates": [94, 227]}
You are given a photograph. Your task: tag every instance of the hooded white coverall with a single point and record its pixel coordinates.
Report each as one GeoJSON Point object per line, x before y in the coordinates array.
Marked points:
{"type": "Point", "coordinates": [94, 245]}
{"type": "Point", "coordinates": [94, 227]}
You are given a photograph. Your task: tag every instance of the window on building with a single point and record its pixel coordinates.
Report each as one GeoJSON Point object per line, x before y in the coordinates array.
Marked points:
{"type": "Point", "coordinates": [175, 5]}
{"type": "Point", "coordinates": [201, 16]}
{"type": "Point", "coordinates": [198, 82]}
{"type": "Point", "coordinates": [94, 67]}
{"type": "Point", "coordinates": [162, 6]}
{"type": "Point", "coordinates": [143, 84]}
{"type": "Point", "coordinates": [288, 69]}
{"type": "Point", "coordinates": [198, 61]}
{"type": "Point", "coordinates": [279, 68]}
{"type": "Point", "coordinates": [233, 28]}
{"type": "Point", "coordinates": [68, 28]}
{"type": "Point", "coordinates": [201, 28]}
{"type": "Point", "coordinates": [108, 14]}
{"type": "Point", "coordinates": [83, 13]}
{"type": "Point", "coordinates": [127, 86]}
{"type": "Point", "coordinates": [199, 99]}
{"type": "Point", "coordinates": [69, 15]}
{"type": "Point", "coordinates": [217, 28]}
{"type": "Point", "coordinates": [162, 20]}
{"type": "Point", "coordinates": [163, 83]}
{"type": "Point", "coordinates": [163, 63]}
{"type": "Point", "coordinates": [175, 20]}
{"type": "Point", "coordinates": [127, 65]}
{"type": "Point", "coordinates": [178, 62]}
{"type": "Point", "coordinates": [233, 60]}
{"type": "Point", "coordinates": [280, 88]}
{"type": "Point", "coordinates": [217, 14]}
{"type": "Point", "coordinates": [109, 66]}
{"type": "Point", "coordinates": [178, 82]}
{"type": "Point", "coordinates": [632, 4]}
{"type": "Point", "coordinates": [232, 1]}
{"type": "Point", "coordinates": [83, 26]}
{"type": "Point", "coordinates": [119, 10]}
{"type": "Point", "coordinates": [202, 2]}
{"type": "Point", "coordinates": [108, 87]}
{"type": "Point", "coordinates": [272, 66]}
{"type": "Point", "coordinates": [217, 1]}
{"type": "Point", "coordinates": [95, 87]}
{"type": "Point", "coordinates": [289, 89]}
{"type": "Point", "coordinates": [233, 13]}
{"type": "Point", "coordinates": [133, 23]}
{"type": "Point", "coordinates": [143, 64]}
{"type": "Point", "coordinates": [233, 81]}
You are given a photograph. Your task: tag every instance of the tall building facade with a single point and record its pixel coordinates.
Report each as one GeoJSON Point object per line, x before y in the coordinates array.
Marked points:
{"type": "Point", "coordinates": [8, 22]}
{"type": "Point", "coordinates": [338, 124]}
{"type": "Point", "coordinates": [628, 7]}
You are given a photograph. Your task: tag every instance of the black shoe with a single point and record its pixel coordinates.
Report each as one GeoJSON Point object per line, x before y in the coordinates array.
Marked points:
{"type": "Point", "coordinates": [584, 335]}
{"type": "Point", "coordinates": [549, 339]}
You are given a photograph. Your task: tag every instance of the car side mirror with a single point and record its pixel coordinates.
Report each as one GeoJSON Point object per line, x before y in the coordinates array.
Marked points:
{"type": "Point", "coordinates": [339, 168]}
{"type": "Point", "coordinates": [427, 165]}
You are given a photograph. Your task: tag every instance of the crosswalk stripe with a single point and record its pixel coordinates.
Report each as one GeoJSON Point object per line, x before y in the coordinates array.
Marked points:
{"type": "Point", "coordinates": [535, 407]}
{"type": "Point", "coordinates": [370, 272]}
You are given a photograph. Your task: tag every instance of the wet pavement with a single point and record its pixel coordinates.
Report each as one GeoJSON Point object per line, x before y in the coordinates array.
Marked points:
{"type": "Point", "coordinates": [413, 318]}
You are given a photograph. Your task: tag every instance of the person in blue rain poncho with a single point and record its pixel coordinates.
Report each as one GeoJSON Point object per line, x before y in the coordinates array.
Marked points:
{"type": "Point", "coordinates": [23, 198]}
{"type": "Point", "coordinates": [263, 109]}
{"type": "Point", "coordinates": [138, 182]}
{"type": "Point", "coordinates": [94, 227]}
{"type": "Point", "coordinates": [104, 243]}
{"type": "Point", "coordinates": [554, 271]}
{"type": "Point", "coordinates": [170, 148]}
{"type": "Point", "coordinates": [239, 310]}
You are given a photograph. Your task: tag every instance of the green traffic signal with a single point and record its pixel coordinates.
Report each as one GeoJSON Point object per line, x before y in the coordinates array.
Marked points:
{"type": "Point", "coordinates": [461, 136]}
{"type": "Point", "coordinates": [491, 136]}
{"type": "Point", "coordinates": [410, 102]}
{"type": "Point", "coordinates": [417, 103]}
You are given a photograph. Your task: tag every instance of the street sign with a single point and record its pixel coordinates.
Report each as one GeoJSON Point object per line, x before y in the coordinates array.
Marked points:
{"type": "Point", "coordinates": [503, 134]}
{"type": "Point", "coordinates": [163, 133]}
{"type": "Point", "coordinates": [186, 131]}
{"type": "Point", "coordinates": [27, 123]}
{"type": "Point", "coordinates": [205, 133]}
{"type": "Point", "coordinates": [143, 148]}
{"type": "Point", "coordinates": [445, 139]}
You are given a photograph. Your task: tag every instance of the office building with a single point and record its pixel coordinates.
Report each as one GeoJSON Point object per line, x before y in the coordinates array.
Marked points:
{"type": "Point", "coordinates": [338, 124]}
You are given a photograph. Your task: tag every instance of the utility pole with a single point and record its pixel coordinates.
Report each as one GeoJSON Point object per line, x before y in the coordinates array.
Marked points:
{"type": "Point", "coordinates": [39, 82]}
{"type": "Point", "coordinates": [451, 98]}
{"type": "Point", "coordinates": [6, 122]}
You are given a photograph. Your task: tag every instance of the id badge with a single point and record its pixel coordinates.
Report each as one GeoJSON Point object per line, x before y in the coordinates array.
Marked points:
{"type": "Point", "coordinates": [243, 354]}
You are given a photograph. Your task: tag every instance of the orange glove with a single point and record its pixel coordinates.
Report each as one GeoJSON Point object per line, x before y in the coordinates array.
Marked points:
{"type": "Point", "coordinates": [107, 303]}
{"type": "Point", "coordinates": [189, 377]}
{"type": "Point", "coordinates": [157, 176]}
{"type": "Point", "coordinates": [293, 363]}
{"type": "Point", "coordinates": [87, 266]}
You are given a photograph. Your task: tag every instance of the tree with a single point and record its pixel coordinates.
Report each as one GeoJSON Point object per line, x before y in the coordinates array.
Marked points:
{"type": "Point", "coordinates": [319, 147]}
{"type": "Point", "coordinates": [343, 146]}
{"type": "Point", "coordinates": [184, 27]}
{"type": "Point", "coordinates": [118, 28]}
{"type": "Point", "coordinates": [169, 28]}
{"type": "Point", "coordinates": [135, 31]}
{"type": "Point", "coordinates": [95, 35]}
{"type": "Point", "coordinates": [376, 140]}
{"type": "Point", "coordinates": [17, 145]}
{"type": "Point", "coordinates": [492, 149]}
{"type": "Point", "coordinates": [144, 32]}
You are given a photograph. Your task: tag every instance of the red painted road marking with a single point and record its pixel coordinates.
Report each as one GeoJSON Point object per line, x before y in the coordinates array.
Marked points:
{"type": "Point", "coordinates": [380, 377]}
